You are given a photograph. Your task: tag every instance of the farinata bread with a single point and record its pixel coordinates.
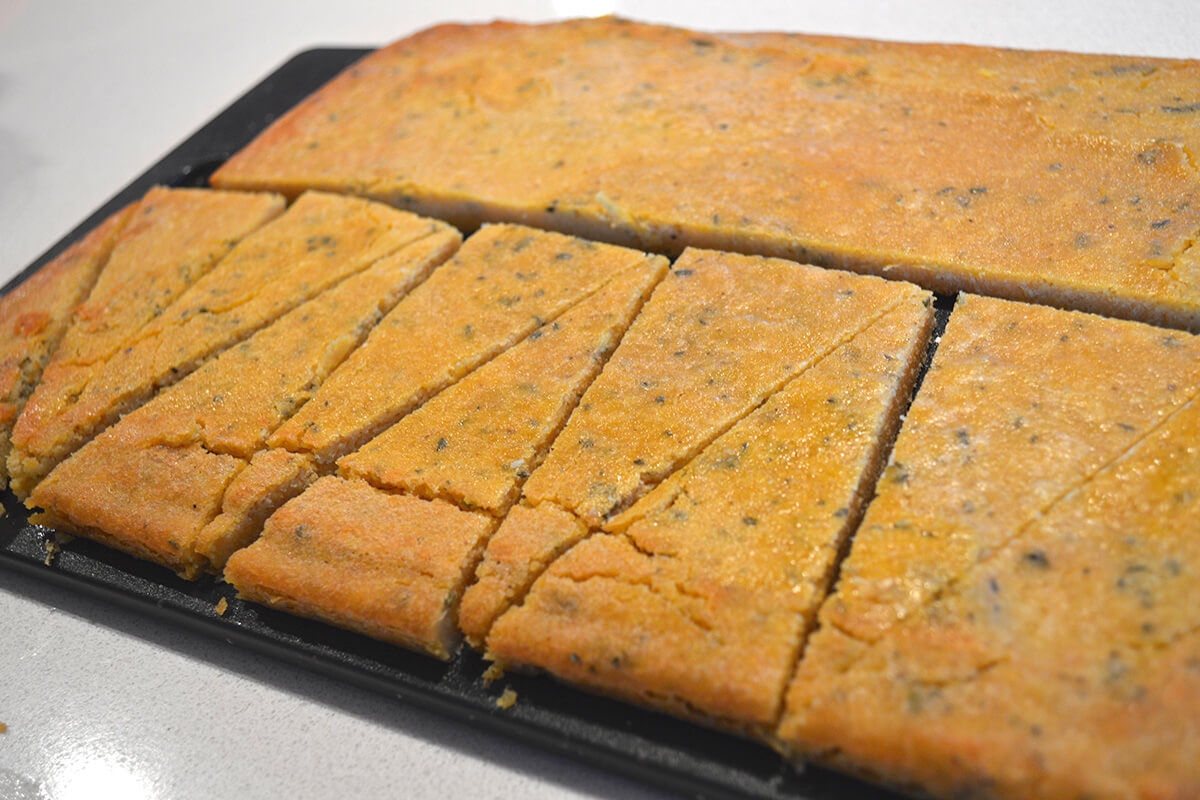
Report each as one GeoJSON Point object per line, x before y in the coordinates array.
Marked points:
{"type": "Point", "coordinates": [649, 429]}
{"type": "Point", "coordinates": [1017, 617]}
{"type": "Point", "coordinates": [1074, 188]}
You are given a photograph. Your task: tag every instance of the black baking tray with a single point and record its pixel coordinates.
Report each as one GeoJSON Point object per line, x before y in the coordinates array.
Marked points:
{"type": "Point", "coordinates": [654, 747]}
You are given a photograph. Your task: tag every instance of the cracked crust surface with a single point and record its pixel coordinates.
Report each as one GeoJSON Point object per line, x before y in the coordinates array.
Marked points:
{"type": "Point", "coordinates": [476, 442]}
{"type": "Point", "coordinates": [389, 566]}
{"type": "Point", "coordinates": [697, 598]}
{"type": "Point", "coordinates": [151, 483]}
{"type": "Point", "coordinates": [1012, 620]}
{"type": "Point", "coordinates": [657, 137]}
{"type": "Point", "coordinates": [174, 237]}
{"type": "Point", "coordinates": [503, 284]}
{"type": "Point", "coordinates": [34, 316]}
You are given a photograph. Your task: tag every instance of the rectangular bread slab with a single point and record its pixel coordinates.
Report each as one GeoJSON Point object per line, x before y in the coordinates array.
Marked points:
{"type": "Point", "coordinates": [662, 138]}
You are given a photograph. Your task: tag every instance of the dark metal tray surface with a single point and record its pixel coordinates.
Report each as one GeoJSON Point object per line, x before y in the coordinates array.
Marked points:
{"type": "Point", "coordinates": [653, 747]}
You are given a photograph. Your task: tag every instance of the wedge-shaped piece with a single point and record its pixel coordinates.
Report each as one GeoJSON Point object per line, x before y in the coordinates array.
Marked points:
{"type": "Point", "coordinates": [994, 437]}
{"type": "Point", "coordinates": [503, 284]}
{"type": "Point", "coordinates": [1058, 656]}
{"type": "Point", "coordinates": [174, 238]}
{"type": "Point", "coordinates": [34, 315]}
{"type": "Point", "coordinates": [320, 240]}
{"type": "Point", "coordinates": [659, 138]}
{"type": "Point", "coordinates": [386, 565]}
{"type": "Point", "coordinates": [720, 334]}
{"type": "Point", "coordinates": [699, 599]}
{"type": "Point", "coordinates": [476, 442]}
{"type": "Point", "coordinates": [473, 444]}
{"type": "Point", "coordinates": [151, 483]}
{"type": "Point", "coordinates": [716, 339]}
{"type": "Point", "coordinates": [1015, 614]}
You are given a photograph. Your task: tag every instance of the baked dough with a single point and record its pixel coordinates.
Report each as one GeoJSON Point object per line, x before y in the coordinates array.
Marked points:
{"type": "Point", "coordinates": [320, 240]}
{"type": "Point", "coordinates": [386, 565]}
{"type": "Point", "coordinates": [476, 442]}
{"type": "Point", "coordinates": [660, 138]}
{"type": "Point", "coordinates": [1018, 611]}
{"type": "Point", "coordinates": [151, 483]}
{"type": "Point", "coordinates": [719, 336]}
{"type": "Point", "coordinates": [698, 598]}
{"type": "Point", "coordinates": [173, 239]}
{"type": "Point", "coordinates": [34, 316]}
{"type": "Point", "coordinates": [503, 284]}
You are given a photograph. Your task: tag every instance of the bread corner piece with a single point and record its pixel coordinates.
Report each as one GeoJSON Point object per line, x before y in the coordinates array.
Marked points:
{"type": "Point", "coordinates": [389, 566]}
{"type": "Point", "coordinates": [1019, 614]}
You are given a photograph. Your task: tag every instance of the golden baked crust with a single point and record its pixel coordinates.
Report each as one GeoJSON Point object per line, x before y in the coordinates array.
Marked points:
{"type": "Point", "coordinates": [319, 241]}
{"type": "Point", "coordinates": [698, 598]}
{"type": "Point", "coordinates": [1130, 98]}
{"type": "Point", "coordinates": [1018, 611]}
{"type": "Point", "coordinates": [151, 483]}
{"type": "Point", "coordinates": [474, 443]}
{"type": "Point", "coordinates": [34, 315]}
{"type": "Point", "coordinates": [994, 437]}
{"type": "Point", "coordinates": [174, 237]}
{"type": "Point", "coordinates": [503, 284]}
{"type": "Point", "coordinates": [386, 565]}
{"type": "Point", "coordinates": [660, 138]}
{"type": "Point", "coordinates": [719, 335]}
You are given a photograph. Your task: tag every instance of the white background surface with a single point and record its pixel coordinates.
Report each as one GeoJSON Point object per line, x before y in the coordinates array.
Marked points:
{"type": "Point", "coordinates": [104, 703]}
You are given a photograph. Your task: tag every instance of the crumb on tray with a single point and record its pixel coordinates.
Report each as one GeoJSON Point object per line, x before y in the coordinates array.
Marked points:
{"type": "Point", "coordinates": [507, 700]}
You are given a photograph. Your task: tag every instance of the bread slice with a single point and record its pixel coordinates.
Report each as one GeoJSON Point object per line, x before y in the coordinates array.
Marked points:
{"type": "Point", "coordinates": [720, 335]}
{"type": "Point", "coordinates": [698, 597]}
{"type": "Point", "coordinates": [385, 565]}
{"type": "Point", "coordinates": [476, 442]}
{"type": "Point", "coordinates": [173, 239]}
{"type": "Point", "coordinates": [151, 483]}
{"type": "Point", "coordinates": [472, 446]}
{"type": "Point", "coordinates": [1015, 616]}
{"type": "Point", "coordinates": [661, 138]}
{"type": "Point", "coordinates": [34, 316]}
{"type": "Point", "coordinates": [503, 284]}
{"type": "Point", "coordinates": [320, 240]}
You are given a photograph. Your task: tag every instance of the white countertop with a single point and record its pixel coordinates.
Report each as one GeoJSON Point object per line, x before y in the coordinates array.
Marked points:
{"type": "Point", "coordinates": [101, 702]}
